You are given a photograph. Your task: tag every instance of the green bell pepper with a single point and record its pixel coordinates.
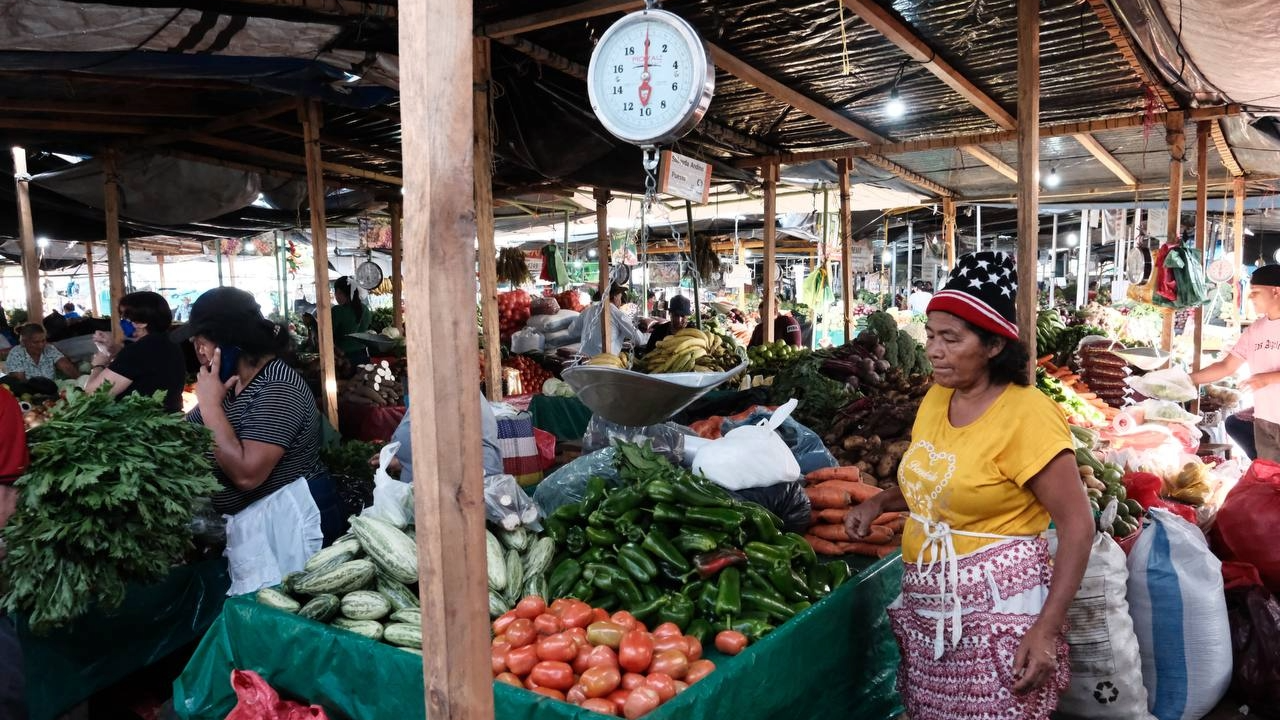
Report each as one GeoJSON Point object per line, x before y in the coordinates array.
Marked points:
{"type": "Point", "coordinates": [839, 571]}
{"type": "Point", "coordinates": [692, 541]}
{"type": "Point", "coordinates": [768, 555]}
{"type": "Point", "coordinates": [575, 540]}
{"type": "Point", "coordinates": [718, 518]}
{"type": "Point", "coordinates": [783, 580]}
{"type": "Point", "coordinates": [657, 545]}
{"type": "Point", "coordinates": [666, 512]}
{"type": "Point", "coordinates": [630, 526]}
{"type": "Point", "coordinates": [661, 491]}
{"type": "Point", "coordinates": [702, 494]}
{"type": "Point", "coordinates": [593, 495]}
{"type": "Point", "coordinates": [801, 549]}
{"type": "Point", "coordinates": [753, 627]}
{"type": "Point", "coordinates": [622, 500]}
{"type": "Point", "coordinates": [819, 579]}
{"type": "Point", "coordinates": [678, 610]}
{"type": "Point", "coordinates": [563, 577]}
{"type": "Point", "coordinates": [649, 608]}
{"type": "Point", "coordinates": [761, 584]}
{"type": "Point", "coordinates": [729, 592]}
{"type": "Point", "coordinates": [765, 524]}
{"type": "Point", "coordinates": [569, 513]}
{"type": "Point", "coordinates": [556, 529]}
{"type": "Point", "coordinates": [602, 537]}
{"type": "Point", "coordinates": [700, 629]}
{"type": "Point", "coordinates": [757, 600]}
{"type": "Point", "coordinates": [637, 563]}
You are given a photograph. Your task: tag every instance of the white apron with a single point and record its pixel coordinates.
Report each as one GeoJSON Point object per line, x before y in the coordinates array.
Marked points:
{"type": "Point", "coordinates": [272, 538]}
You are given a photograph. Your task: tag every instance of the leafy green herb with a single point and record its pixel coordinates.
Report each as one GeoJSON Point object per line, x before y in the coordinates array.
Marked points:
{"type": "Point", "coordinates": [107, 501]}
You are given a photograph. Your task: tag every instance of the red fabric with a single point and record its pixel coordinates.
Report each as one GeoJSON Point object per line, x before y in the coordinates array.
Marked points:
{"type": "Point", "coordinates": [369, 423]}
{"type": "Point", "coordinates": [13, 438]}
{"type": "Point", "coordinates": [546, 443]}
{"type": "Point", "coordinates": [1166, 285]}
{"type": "Point", "coordinates": [256, 700]}
{"type": "Point", "coordinates": [1245, 526]}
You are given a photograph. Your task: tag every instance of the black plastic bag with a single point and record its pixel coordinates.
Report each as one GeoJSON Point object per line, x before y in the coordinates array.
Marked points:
{"type": "Point", "coordinates": [1255, 643]}
{"type": "Point", "coordinates": [786, 500]}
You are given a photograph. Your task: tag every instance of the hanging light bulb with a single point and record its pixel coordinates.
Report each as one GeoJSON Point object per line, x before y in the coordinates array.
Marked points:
{"type": "Point", "coordinates": [1052, 180]}
{"type": "Point", "coordinates": [592, 253]}
{"type": "Point", "coordinates": [43, 242]}
{"type": "Point", "coordinates": [895, 108]}
{"type": "Point", "coordinates": [1072, 238]}
{"type": "Point", "coordinates": [886, 256]}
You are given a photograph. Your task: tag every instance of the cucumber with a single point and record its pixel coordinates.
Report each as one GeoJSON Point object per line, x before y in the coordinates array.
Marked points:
{"type": "Point", "coordinates": [515, 576]}
{"type": "Point", "coordinates": [409, 617]}
{"type": "Point", "coordinates": [495, 563]}
{"type": "Point", "coordinates": [286, 584]}
{"type": "Point", "coordinates": [328, 557]}
{"type": "Point", "coordinates": [539, 556]}
{"type": "Point", "coordinates": [390, 548]}
{"type": "Point", "coordinates": [415, 650]}
{"type": "Point", "coordinates": [518, 539]}
{"type": "Point", "coordinates": [536, 585]}
{"type": "Point", "coordinates": [347, 577]}
{"type": "Point", "coordinates": [401, 597]}
{"type": "Point", "coordinates": [272, 597]}
{"type": "Point", "coordinates": [371, 629]}
{"type": "Point", "coordinates": [321, 608]}
{"type": "Point", "coordinates": [497, 604]}
{"type": "Point", "coordinates": [403, 634]}
{"type": "Point", "coordinates": [365, 605]}
{"type": "Point", "coordinates": [1135, 510]}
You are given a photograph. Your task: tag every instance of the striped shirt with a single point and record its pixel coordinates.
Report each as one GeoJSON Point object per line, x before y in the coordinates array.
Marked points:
{"type": "Point", "coordinates": [277, 408]}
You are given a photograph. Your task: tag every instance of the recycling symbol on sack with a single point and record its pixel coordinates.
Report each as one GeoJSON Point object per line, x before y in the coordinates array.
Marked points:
{"type": "Point", "coordinates": [1106, 693]}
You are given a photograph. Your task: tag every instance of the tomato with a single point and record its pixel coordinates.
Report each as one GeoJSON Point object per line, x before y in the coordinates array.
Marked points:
{"type": "Point", "coordinates": [558, 605]}
{"type": "Point", "coordinates": [619, 699]}
{"type": "Point", "coordinates": [670, 642]}
{"type": "Point", "coordinates": [503, 621]}
{"type": "Point", "coordinates": [521, 633]}
{"type": "Point", "coordinates": [641, 702]}
{"type": "Point", "coordinates": [693, 648]}
{"type": "Point", "coordinates": [699, 669]}
{"type": "Point", "coordinates": [552, 674]}
{"type": "Point", "coordinates": [666, 630]}
{"type": "Point", "coordinates": [522, 659]}
{"type": "Point", "coordinates": [671, 662]}
{"type": "Point", "coordinates": [577, 614]}
{"type": "Point", "coordinates": [631, 681]}
{"type": "Point", "coordinates": [661, 684]}
{"type": "Point", "coordinates": [530, 607]}
{"type": "Point", "coordinates": [600, 705]}
{"type": "Point", "coordinates": [600, 681]}
{"type": "Point", "coordinates": [730, 642]}
{"type": "Point", "coordinates": [602, 655]}
{"type": "Point", "coordinates": [582, 660]}
{"type": "Point", "coordinates": [681, 686]}
{"type": "Point", "coordinates": [600, 615]}
{"type": "Point", "coordinates": [499, 656]}
{"type": "Point", "coordinates": [510, 679]}
{"type": "Point", "coordinates": [557, 647]}
{"type": "Point", "coordinates": [576, 695]}
{"type": "Point", "coordinates": [579, 636]}
{"type": "Point", "coordinates": [636, 651]}
{"type": "Point", "coordinates": [547, 624]}
{"type": "Point", "coordinates": [625, 619]}
{"type": "Point", "coordinates": [605, 633]}
{"type": "Point", "coordinates": [548, 692]}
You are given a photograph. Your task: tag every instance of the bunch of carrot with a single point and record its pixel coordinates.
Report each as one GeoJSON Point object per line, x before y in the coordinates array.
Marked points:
{"type": "Point", "coordinates": [1077, 385]}
{"type": "Point", "coordinates": [833, 493]}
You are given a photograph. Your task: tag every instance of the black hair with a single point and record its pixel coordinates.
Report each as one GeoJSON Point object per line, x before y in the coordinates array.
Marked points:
{"type": "Point", "coordinates": [69, 307]}
{"type": "Point", "coordinates": [344, 284]}
{"type": "Point", "coordinates": [31, 330]}
{"type": "Point", "coordinates": [147, 308]}
{"type": "Point", "coordinates": [1011, 363]}
{"type": "Point", "coordinates": [616, 290]}
{"type": "Point", "coordinates": [256, 339]}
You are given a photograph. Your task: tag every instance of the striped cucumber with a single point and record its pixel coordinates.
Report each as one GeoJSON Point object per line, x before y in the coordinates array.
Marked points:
{"type": "Point", "coordinates": [497, 604]}
{"type": "Point", "coordinates": [365, 605]}
{"type": "Point", "coordinates": [321, 608]}
{"type": "Point", "coordinates": [538, 559]}
{"type": "Point", "coordinates": [272, 597]}
{"type": "Point", "coordinates": [387, 546]}
{"type": "Point", "coordinates": [495, 562]}
{"type": "Point", "coordinates": [411, 617]}
{"type": "Point", "coordinates": [349, 576]}
{"type": "Point", "coordinates": [415, 650]}
{"type": "Point", "coordinates": [518, 539]}
{"type": "Point", "coordinates": [286, 585]}
{"type": "Point", "coordinates": [371, 629]}
{"type": "Point", "coordinates": [345, 549]}
{"type": "Point", "coordinates": [403, 634]}
{"type": "Point", "coordinates": [401, 597]}
{"type": "Point", "coordinates": [536, 585]}
{"type": "Point", "coordinates": [515, 574]}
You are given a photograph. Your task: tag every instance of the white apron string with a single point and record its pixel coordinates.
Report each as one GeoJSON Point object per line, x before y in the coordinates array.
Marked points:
{"type": "Point", "coordinates": [942, 549]}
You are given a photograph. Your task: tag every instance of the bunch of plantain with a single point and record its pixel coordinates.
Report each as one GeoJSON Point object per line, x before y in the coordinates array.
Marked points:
{"type": "Point", "coordinates": [691, 350]}
{"type": "Point", "coordinates": [512, 267]}
{"type": "Point", "coordinates": [621, 361]}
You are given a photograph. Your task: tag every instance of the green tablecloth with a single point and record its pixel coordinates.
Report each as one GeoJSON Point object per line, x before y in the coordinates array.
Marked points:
{"type": "Point", "coordinates": [66, 667]}
{"type": "Point", "coordinates": [564, 417]}
{"type": "Point", "coordinates": [837, 659]}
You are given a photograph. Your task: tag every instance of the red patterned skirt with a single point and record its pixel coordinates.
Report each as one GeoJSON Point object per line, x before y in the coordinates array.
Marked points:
{"type": "Point", "coordinates": [1001, 590]}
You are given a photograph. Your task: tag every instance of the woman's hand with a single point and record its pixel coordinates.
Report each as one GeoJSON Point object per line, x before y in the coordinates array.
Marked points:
{"type": "Point", "coordinates": [1036, 661]}
{"type": "Point", "coordinates": [857, 522]}
{"type": "Point", "coordinates": [100, 360]}
{"type": "Point", "coordinates": [210, 389]}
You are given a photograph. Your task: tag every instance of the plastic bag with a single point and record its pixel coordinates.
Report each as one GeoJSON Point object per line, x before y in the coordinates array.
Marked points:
{"type": "Point", "coordinates": [392, 499]}
{"type": "Point", "coordinates": [566, 484]}
{"type": "Point", "coordinates": [786, 500]}
{"type": "Point", "coordinates": [667, 439]}
{"type": "Point", "coordinates": [508, 505]}
{"type": "Point", "coordinates": [751, 455]}
{"type": "Point", "coordinates": [1244, 529]}
{"type": "Point", "coordinates": [1254, 616]}
{"type": "Point", "coordinates": [1180, 617]}
{"type": "Point", "coordinates": [527, 340]}
{"type": "Point", "coordinates": [806, 445]}
{"type": "Point", "coordinates": [552, 323]}
{"type": "Point", "coordinates": [1171, 384]}
{"type": "Point", "coordinates": [256, 700]}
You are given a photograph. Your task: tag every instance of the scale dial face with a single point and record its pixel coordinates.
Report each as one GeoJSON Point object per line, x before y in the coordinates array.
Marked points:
{"type": "Point", "coordinates": [650, 80]}
{"type": "Point", "coordinates": [368, 276]}
{"type": "Point", "coordinates": [1138, 265]}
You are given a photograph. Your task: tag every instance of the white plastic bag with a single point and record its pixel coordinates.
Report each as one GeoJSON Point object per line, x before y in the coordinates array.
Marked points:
{"type": "Point", "coordinates": [1106, 667]}
{"type": "Point", "coordinates": [750, 456]}
{"type": "Point", "coordinates": [1180, 616]}
{"type": "Point", "coordinates": [508, 505]}
{"type": "Point", "coordinates": [392, 499]}
{"type": "Point", "coordinates": [527, 340]}
{"type": "Point", "coordinates": [1172, 384]}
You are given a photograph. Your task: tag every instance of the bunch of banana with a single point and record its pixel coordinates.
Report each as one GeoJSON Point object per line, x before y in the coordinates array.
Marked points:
{"type": "Point", "coordinates": [687, 350]}
{"type": "Point", "coordinates": [1049, 326]}
{"type": "Point", "coordinates": [621, 361]}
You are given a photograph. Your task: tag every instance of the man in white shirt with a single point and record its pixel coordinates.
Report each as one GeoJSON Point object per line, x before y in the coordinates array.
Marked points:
{"type": "Point", "coordinates": [587, 325]}
{"type": "Point", "coordinates": [918, 302]}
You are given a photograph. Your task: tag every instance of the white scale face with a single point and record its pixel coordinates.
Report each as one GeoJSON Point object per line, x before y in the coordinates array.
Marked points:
{"type": "Point", "coordinates": [650, 80]}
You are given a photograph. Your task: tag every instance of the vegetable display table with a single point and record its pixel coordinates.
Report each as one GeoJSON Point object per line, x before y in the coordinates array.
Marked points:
{"type": "Point", "coordinates": [67, 667]}
{"type": "Point", "coordinates": [836, 659]}
{"type": "Point", "coordinates": [564, 417]}
{"type": "Point", "coordinates": [369, 423]}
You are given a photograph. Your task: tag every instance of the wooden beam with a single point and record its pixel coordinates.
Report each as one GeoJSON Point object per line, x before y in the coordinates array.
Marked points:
{"type": "Point", "coordinates": [1088, 142]}
{"type": "Point", "coordinates": [345, 8]}
{"type": "Point", "coordinates": [74, 126]}
{"type": "Point", "coordinates": [311, 121]}
{"type": "Point", "coordinates": [604, 252]}
{"type": "Point", "coordinates": [559, 16]}
{"type": "Point", "coordinates": [949, 230]}
{"type": "Point", "coordinates": [769, 307]}
{"type": "Point", "coordinates": [1225, 153]}
{"type": "Point", "coordinates": [436, 95]}
{"type": "Point", "coordinates": [1029, 182]}
{"type": "Point", "coordinates": [906, 175]}
{"type": "Point", "coordinates": [397, 266]}
{"type": "Point", "coordinates": [331, 141]}
{"type": "Point", "coordinates": [846, 247]}
{"type": "Point", "coordinates": [900, 34]}
{"type": "Point", "coordinates": [1177, 140]}
{"type": "Point", "coordinates": [1120, 38]}
{"type": "Point", "coordinates": [27, 237]}
{"type": "Point", "coordinates": [222, 124]}
{"type": "Point", "coordinates": [992, 161]}
{"type": "Point", "coordinates": [72, 107]}
{"type": "Point", "coordinates": [93, 286]}
{"type": "Point", "coordinates": [486, 247]}
{"type": "Point", "coordinates": [779, 91]}
{"type": "Point", "coordinates": [1201, 240]}
{"type": "Point", "coordinates": [115, 253]}
{"type": "Point", "coordinates": [291, 159]}
{"type": "Point", "coordinates": [160, 267]}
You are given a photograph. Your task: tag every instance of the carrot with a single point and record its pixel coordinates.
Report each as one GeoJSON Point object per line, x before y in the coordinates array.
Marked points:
{"type": "Point", "coordinates": [858, 492]}
{"type": "Point", "coordinates": [823, 547]}
{"type": "Point", "coordinates": [878, 535]}
{"type": "Point", "coordinates": [887, 518]}
{"type": "Point", "coordinates": [828, 497]}
{"type": "Point", "coordinates": [897, 525]}
{"type": "Point", "coordinates": [815, 517]}
{"type": "Point", "coordinates": [832, 532]}
{"type": "Point", "coordinates": [1044, 360]}
{"type": "Point", "coordinates": [844, 472]}
{"type": "Point", "coordinates": [868, 549]}
{"type": "Point", "coordinates": [831, 515]}
{"type": "Point", "coordinates": [1061, 372]}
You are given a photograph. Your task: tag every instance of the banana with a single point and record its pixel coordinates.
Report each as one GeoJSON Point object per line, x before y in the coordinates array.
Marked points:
{"type": "Point", "coordinates": [691, 333]}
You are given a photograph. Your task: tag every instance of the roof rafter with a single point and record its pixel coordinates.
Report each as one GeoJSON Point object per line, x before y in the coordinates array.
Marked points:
{"type": "Point", "coordinates": [291, 159]}
{"type": "Point", "coordinates": [1225, 153]}
{"type": "Point", "coordinates": [559, 16]}
{"type": "Point", "coordinates": [1121, 40]}
{"type": "Point", "coordinates": [1110, 161]}
{"type": "Point", "coordinates": [982, 155]}
{"type": "Point", "coordinates": [331, 141]}
{"type": "Point", "coordinates": [908, 176]}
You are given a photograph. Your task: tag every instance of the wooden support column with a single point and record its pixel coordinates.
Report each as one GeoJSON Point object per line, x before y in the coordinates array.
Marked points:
{"type": "Point", "coordinates": [769, 307]}
{"type": "Point", "coordinates": [603, 252]}
{"type": "Point", "coordinates": [486, 247]}
{"type": "Point", "coordinates": [1237, 251]}
{"type": "Point", "coordinates": [27, 236]}
{"type": "Point", "coordinates": [115, 254]}
{"type": "Point", "coordinates": [1082, 262]}
{"type": "Point", "coordinates": [1177, 141]}
{"type": "Point", "coordinates": [846, 247]}
{"type": "Point", "coordinates": [1201, 239]}
{"type": "Point", "coordinates": [949, 230]}
{"type": "Point", "coordinates": [231, 263]}
{"type": "Point", "coordinates": [160, 267]}
{"type": "Point", "coordinates": [397, 266]}
{"type": "Point", "coordinates": [436, 106]}
{"type": "Point", "coordinates": [311, 121]}
{"type": "Point", "coordinates": [93, 286]}
{"type": "Point", "coordinates": [1029, 178]}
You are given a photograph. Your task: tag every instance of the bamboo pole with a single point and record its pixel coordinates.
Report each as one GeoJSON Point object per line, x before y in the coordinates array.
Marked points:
{"type": "Point", "coordinates": [911, 242]}
{"type": "Point", "coordinates": [949, 230]}
{"type": "Point", "coordinates": [397, 267]}
{"type": "Point", "coordinates": [93, 287]}
{"type": "Point", "coordinates": [846, 247]}
{"type": "Point", "coordinates": [115, 254]}
{"type": "Point", "coordinates": [27, 235]}
{"type": "Point", "coordinates": [1237, 256]}
{"type": "Point", "coordinates": [1177, 140]}
{"type": "Point", "coordinates": [486, 248]}
{"type": "Point", "coordinates": [311, 120]}
{"type": "Point", "coordinates": [1029, 178]}
{"type": "Point", "coordinates": [160, 267]}
{"type": "Point", "coordinates": [1053, 261]}
{"type": "Point", "coordinates": [436, 98]}
{"type": "Point", "coordinates": [769, 307]}
{"type": "Point", "coordinates": [603, 251]}
{"type": "Point", "coordinates": [1201, 240]}
{"type": "Point", "coordinates": [1082, 266]}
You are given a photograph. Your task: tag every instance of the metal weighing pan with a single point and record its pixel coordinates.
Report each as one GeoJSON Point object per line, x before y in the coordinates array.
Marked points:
{"type": "Point", "coordinates": [634, 399]}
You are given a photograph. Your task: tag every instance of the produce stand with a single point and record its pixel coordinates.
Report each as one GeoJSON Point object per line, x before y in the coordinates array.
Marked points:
{"type": "Point", "coordinates": [67, 667]}
{"type": "Point", "coordinates": [370, 423]}
{"type": "Point", "coordinates": [818, 664]}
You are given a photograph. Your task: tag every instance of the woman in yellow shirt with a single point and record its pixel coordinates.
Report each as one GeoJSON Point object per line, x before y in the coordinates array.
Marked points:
{"type": "Point", "coordinates": [983, 608]}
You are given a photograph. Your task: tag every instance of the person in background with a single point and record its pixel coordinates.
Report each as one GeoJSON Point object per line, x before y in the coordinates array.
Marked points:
{"type": "Point", "coordinates": [350, 315]}
{"type": "Point", "coordinates": [679, 309]}
{"type": "Point", "coordinates": [1259, 346]}
{"type": "Point", "coordinates": [983, 607]}
{"type": "Point", "coordinates": [7, 337]}
{"type": "Point", "coordinates": [280, 501]}
{"type": "Point", "coordinates": [918, 300]}
{"type": "Point", "coordinates": [55, 326]}
{"type": "Point", "coordinates": [587, 325]}
{"type": "Point", "coordinates": [36, 358]}
{"type": "Point", "coordinates": [785, 328]}
{"type": "Point", "coordinates": [402, 462]}
{"type": "Point", "coordinates": [69, 312]}
{"type": "Point", "coordinates": [1239, 427]}
{"type": "Point", "coordinates": [148, 365]}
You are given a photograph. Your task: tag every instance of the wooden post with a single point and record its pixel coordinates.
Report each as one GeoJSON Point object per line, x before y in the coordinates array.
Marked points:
{"type": "Point", "coordinates": [603, 251]}
{"type": "Point", "coordinates": [436, 106]}
{"type": "Point", "coordinates": [1177, 140]}
{"type": "Point", "coordinates": [1201, 240]}
{"type": "Point", "coordinates": [486, 248]}
{"type": "Point", "coordinates": [27, 235]}
{"type": "Point", "coordinates": [846, 247]}
{"type": "Point", "coordinates": [397, 266]}
{"type": "Point", "coordinates": [160, 267]}
{"type": "Point", "coordinates": [115, 254]}
{"type": "Point", "coordinates": [231, 261]}
{"type": "Point", "coordinates": [311, 120]}
{"type": "Point", "coordinates": [1029, 177]}
{"type": "Point", "coordinates": [949, 230]}
{"type": "Point", "coordinates": [93, 287]}
{"type": "Point", "coordinates": [911, 241]}
{"type": "Point", "coordinates": [1237, 251]}
{"type": "Point", "coordinates": [1053, 261]}
{"type": "Point", "coordinates": [977, 212]}
{"type": "Point", "coordinates": [1082, 271]}
{"type": "Point", "coordinates": [769, 307]}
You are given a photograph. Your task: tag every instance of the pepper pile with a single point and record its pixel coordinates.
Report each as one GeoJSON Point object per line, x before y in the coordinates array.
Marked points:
{"type": "Point", "coordinates": [668, 546]}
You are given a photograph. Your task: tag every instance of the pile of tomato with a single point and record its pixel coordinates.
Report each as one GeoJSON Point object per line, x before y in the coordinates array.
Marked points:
{"type": "Point", "coordinates": [610, 664]}
{"type": "Point", "coordinates": [532, 375]}
{"type": "Point", "coordinates": [514, 310]}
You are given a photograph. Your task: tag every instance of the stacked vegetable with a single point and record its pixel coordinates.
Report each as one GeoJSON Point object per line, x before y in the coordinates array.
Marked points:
{"type": "Point", "coordinates": [1104, 482]}
{"type": "Point", "coordinates": [517, 562]}
{"type": "Point", "coordinates": [833, 493]}
{"type": "Point", "coordinates": [900, 349]}
{"type": "Point", "coordinates": [514, 310]}
{"type": "Point", "coordinates": [1105, 374]}
{"type": "Point", "coordinates": [374, 384]}
{"type": "Point", "coordinates": [671, 547]}
{"type": "Point", "coordinates": [570, 300]}
{"type": "Point", "coordinates": [873, 432]}
{"type": "Point", "coordinates": [532, 375]}
{"type": "Point", "coordinates": [1079, 410]}
{"type": "Point", "coordinates": [769, 358]}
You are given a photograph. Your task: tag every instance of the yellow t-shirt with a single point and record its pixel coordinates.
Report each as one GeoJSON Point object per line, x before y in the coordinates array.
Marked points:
{"type": "Point", "coordinates": [974, 477]}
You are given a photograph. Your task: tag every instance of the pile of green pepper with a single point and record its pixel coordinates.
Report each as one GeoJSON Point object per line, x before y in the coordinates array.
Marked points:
{"type": "Point", "coordinates": [669, 546]}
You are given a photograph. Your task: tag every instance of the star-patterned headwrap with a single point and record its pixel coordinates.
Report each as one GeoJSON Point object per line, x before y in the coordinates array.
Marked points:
{"type": "Point", "coordinates": [982, 290]}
